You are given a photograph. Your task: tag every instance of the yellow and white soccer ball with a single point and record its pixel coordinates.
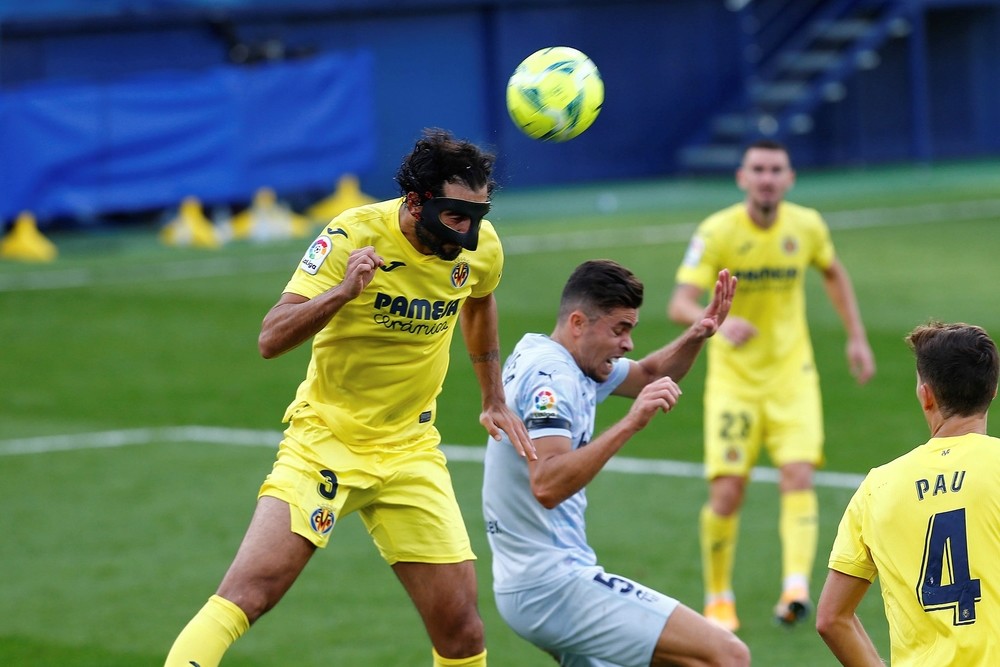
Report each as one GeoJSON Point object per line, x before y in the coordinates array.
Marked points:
{"type": "Point", "coordinates": [555, 94]}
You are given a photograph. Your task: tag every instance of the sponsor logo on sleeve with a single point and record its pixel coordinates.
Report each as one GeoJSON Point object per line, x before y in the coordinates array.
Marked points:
{"type": "Point", "coordinates": [316, 255]}
{"type": "Point", "coordinates": [545, 401]}
{"type": "Point", "coordinates": [695, 249]}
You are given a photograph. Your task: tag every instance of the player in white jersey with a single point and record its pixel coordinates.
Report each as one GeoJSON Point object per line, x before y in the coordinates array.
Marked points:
{"type": "Point", "coordinates": [928, 523]}
{"type": "Point", "coordinates": [546, 580]}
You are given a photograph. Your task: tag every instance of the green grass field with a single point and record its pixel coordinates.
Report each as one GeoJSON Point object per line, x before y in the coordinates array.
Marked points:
{"type": "Point", "coordinates": [108, 550]}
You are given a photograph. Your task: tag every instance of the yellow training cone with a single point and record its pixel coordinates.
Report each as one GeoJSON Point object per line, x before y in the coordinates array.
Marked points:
{"type": "Point", "coordinates": [190, 227]}
{"type": "Point", "coordinates": [268, 219]}
{"type": "Point", "coordinates": [347, 195]}
{"type": "Point", "coordinates": [26, 243]}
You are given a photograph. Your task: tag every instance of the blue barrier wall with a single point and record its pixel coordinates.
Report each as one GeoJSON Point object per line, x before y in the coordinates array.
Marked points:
{"type": "Point", "coordinates": [667, 67]}
{"type": "Point", "coordinates": [148, 140]}
{"type": "Point", "coordinates": [957, 96]}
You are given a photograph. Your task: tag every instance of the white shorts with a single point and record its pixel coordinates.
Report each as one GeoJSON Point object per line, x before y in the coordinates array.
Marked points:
{"type": "Point", "coordinates": [590, 618]}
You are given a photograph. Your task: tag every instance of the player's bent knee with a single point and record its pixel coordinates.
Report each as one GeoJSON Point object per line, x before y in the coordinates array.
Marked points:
{"type": "Point", "coordinates": [460, 636]}
{"type": "Point", "coordinates": [254, 602]}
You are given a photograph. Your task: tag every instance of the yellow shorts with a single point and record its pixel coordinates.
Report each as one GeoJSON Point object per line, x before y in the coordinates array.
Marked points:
{"type": "Point", "coordinates": [788, 423]}
{"type": "Point", "coordinates": [404, 496]}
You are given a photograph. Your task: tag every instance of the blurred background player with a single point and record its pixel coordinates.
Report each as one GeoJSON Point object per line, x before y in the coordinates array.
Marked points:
{"type": "Point", "coordinates": [546, 580]}
{"type": "Point", "coordinates": [380, 291]}
{"type": "Point", "coordinates": [928, 523]}
{"type": "Point", "coordinates": [762, 386]}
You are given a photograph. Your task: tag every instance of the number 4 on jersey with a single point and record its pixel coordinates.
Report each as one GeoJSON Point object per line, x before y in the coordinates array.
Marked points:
{"type": "Point", "coordinates": [946, 558]}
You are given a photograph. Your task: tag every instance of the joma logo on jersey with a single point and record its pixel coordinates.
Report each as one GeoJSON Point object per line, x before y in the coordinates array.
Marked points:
{"type": "Point", "coordinates": [415, 309]}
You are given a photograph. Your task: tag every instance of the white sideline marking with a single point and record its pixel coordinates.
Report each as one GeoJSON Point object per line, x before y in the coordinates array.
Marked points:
{"type": "Point", "coordinates": [513, 245]}
{"type": "Point", "coordinates": [250, 438]}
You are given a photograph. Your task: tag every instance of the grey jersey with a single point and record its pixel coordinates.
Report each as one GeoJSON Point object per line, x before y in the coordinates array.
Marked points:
{"type": "Point", "coordinates": [546, 388]}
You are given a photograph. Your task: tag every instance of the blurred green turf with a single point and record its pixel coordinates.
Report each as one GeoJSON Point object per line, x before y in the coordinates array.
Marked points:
{"type": "Point", "coordinates": [107, 553]}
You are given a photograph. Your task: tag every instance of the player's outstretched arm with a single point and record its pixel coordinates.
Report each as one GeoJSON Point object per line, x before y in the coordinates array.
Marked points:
{"type": "Point", "coordinates": [482, 340]}
{"type": "Point", "coordinates": [676, 358]}
{"type": "Point", "coordinates": [718, 308]}
{"type": "Point", "coordinates": [295, 319]}
{"type": "Point", "coordinates": [560, 471]}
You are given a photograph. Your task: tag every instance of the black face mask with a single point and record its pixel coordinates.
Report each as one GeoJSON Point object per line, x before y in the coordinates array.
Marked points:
{"type": "Point", "coordinates": [429, 224]}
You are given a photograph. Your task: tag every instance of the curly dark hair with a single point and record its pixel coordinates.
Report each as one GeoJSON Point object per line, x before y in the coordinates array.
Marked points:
{"type": "Point", "coordinates": [599, 286]}
{"type": "Point", "coordinates": [439, 158]}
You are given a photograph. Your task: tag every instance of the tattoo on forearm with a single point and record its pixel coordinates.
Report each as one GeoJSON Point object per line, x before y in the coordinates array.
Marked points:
{"type": "Point", "coordinates": [492, 355]}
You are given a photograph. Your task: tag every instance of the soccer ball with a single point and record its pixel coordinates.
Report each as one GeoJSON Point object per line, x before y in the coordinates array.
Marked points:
{"type": "Point", "coordinates": [555, 94]}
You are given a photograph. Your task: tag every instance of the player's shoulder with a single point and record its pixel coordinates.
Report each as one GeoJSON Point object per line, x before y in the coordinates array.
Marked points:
{"type": "Point", "coordinates": [487, 229]}
{"type": "Point", "coordinates": [722, 219]}
{"type": "Point", "coordinates": [902, 468]}
{"type": "Point", "coordinates": [365, 220]}
{"type": "Point", "coordinates": [489, 240]}
{"type": "Point", "coordinates": [801, 215]}
{"type": "Point", "coordinates": [537, 350]}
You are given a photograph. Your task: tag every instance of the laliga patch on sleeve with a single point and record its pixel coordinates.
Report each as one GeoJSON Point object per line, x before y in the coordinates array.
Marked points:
{"type": "Point", "coordinates": [316, 255]}
{"type": "Point", "coordinates": [545, 401]}
{"type": "Point", "coordinates": [694, 252]}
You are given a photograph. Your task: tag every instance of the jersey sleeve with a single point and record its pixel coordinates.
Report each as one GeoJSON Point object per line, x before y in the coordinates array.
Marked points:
{"type": "Point", "coordinates": [546, 403]}
{"type": "Point", "coordinates": [824, 251]}
{"type": "Point", "coordinates": [698, 267]}
{"type": "Point", "coordinates": [850, 555]}
{"type": "Point", "coordinates": [323, 265]}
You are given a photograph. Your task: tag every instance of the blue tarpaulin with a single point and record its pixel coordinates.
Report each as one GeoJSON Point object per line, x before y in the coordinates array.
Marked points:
{"type": "Point", "coordinates": [146, 142]}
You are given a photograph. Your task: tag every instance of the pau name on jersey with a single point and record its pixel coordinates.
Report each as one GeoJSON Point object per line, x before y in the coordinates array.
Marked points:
{"type": "Point", "coordinates": [940, 484]}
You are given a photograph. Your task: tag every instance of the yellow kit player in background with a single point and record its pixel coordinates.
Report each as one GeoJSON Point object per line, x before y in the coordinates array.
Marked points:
{"type": "Point", "coordinates": [762, 387]}
{"type": "Point", "coordinates": [380, 291]}
{"type": "Point", "coordinates": [928, 523]}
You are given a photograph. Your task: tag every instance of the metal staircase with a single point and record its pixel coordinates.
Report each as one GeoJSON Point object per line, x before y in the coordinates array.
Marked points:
{"type": "Point", "coordinates": [797, 56]}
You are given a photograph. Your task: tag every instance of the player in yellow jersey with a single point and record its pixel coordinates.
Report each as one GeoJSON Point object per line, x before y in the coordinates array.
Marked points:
{"type": "Point", "coordinates": [762, 388]}
{"type": "Point", "coordinates": [928, 523]}
{"type": "Point", "coordinates": [380, 292]}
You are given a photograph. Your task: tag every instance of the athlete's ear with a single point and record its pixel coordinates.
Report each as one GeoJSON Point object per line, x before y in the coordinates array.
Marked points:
{"type": "Point", "coordinates": [414, 204]}
{"type": "Point", "coordinates": [577, 320]}
{"type": "Point", "coordinates": [926, 396]}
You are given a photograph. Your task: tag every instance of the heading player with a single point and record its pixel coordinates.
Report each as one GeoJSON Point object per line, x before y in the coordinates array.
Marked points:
{"type": "Point", "coordinates": [380, 291]}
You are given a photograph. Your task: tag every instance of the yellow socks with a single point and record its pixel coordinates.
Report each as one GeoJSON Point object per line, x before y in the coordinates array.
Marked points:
{"type": "Point", "coordinates": [799, 529]}
{"type": "Point", "coordinates": [207, 636]}
{"type": "Point", "coordinates": [474, 661]}
{"type": "Point", "coordinates": [718, 548]}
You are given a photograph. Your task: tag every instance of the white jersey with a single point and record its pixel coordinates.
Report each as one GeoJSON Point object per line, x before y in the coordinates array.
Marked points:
{"type": "Point", "coordinates": [531, 544]}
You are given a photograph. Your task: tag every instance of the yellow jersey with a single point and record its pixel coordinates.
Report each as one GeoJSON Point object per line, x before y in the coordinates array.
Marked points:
{"type": "Point", "coordinates": [379, 364]}
{"type": "Point", "coordinates": [928, 524]}
{"type": "Point", "coordinates": [771, 267]}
